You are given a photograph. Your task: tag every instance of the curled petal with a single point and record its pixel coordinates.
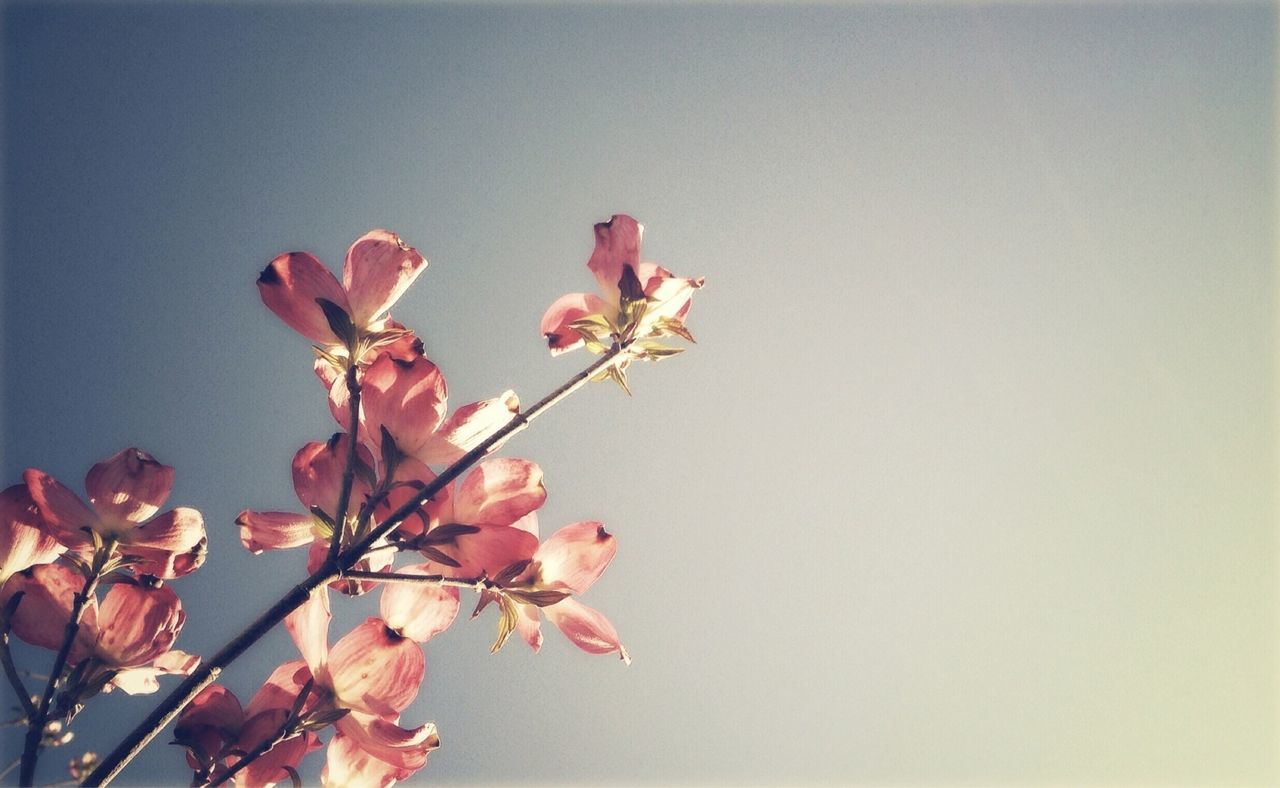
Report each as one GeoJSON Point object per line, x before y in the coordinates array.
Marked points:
{"type": "Point", "coordinates": [137, 624]}
{"type": "Point", "coordinates": [669, 296]}
{"type": "Point", "coordinates": [48, 592]}
{"type": "Point", "coordinates": [128, 487]}
{"type": "Point", "coordinates": [308, 625]}
{"type": "Point", "coordinates": [586, 628]}
{"type": "Point", "coordinates": [173, 544]}
{"type": "Point", "coordinates": [24, 540]}
{"type": "Point", "coordinates": [418, 611]}
{"type": "Point", "coordinates": [617, 245]}
{"type": "Point", "coordinates": [261, 531]}
{"type": "Point", "coordinates": [468, 427]}
{"type": "Point", "coordinates": [62, 510]}
{"type": "Point", "coordinates": [499, 491]}
{"type": "Point", "coordinates": [576, 555]}
{"type": "Point", "coordinates": [211, 721]}
{"type": "Point", "coordinates": [403, 748]}
{"type": "Point", "coordinates": [378, 269]}
{"type": "Point", "coordinates": [290, 285]}
{"type": "Point", "coordinates": [565, 310]}
{"type": "Point", "coordinates": [407, 398]}
{"type": "Point", "coordinates": [375, 670]}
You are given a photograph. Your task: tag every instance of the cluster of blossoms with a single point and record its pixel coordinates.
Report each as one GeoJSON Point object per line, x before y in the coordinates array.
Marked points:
{"type": "Point", "coordinates": [402, 476]}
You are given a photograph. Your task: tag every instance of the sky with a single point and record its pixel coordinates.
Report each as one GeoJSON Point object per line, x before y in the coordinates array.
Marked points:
{"type": "Point", "coordinates": [970, 478]}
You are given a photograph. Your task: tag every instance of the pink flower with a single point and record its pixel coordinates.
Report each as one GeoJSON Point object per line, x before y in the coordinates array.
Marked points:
{"type": "Point", "coordinates": [216, 730]}
{"type": "Point", "coordinates": [375, 672]}
{"type": "Point", "coordinates": [562, 567]}
{"type": "Point", "coordinates": [24, 540]}
{"type": "Point", "coordinates": [129, 634]}
{"type": "Point", "coordinates": [638, 301]}
{"type": "Point", "coordinates": [125, 491]}
{"type": "Point", "coordinates": [378, 269]}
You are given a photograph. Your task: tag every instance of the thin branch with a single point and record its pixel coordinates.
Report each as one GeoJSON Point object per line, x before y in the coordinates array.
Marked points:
{"type": "Point", "coordinates": [477, 583]}
{"type": "Point", "coordinates": [35, 726]}
{"type": "Point", "coordinates": [183, 694]}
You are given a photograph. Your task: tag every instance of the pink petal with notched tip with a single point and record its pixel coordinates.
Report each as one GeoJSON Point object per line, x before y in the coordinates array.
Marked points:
{"type": "Point", "coordinates": [62, 510]}
{"type": "Point", "coordinates": [403, 748]}
{"type": "Point", "coordinates": [669, 296]}
{"type": "Point", "coordinates": [24, 541]}
{"type": "Point", "coordinates": [136, 624]}
{"type": "Point", "coordinates": [317, 475]}
{"type": "Point", "coordinates": [499, 491]}
{"type": "Point", "coordinates": [175, 531]}
{"type": "Point", "coordinates": [48, 591]}
{"type": "Point", "coordinates": [375, 670]}
{"type": "Point", "coordinates": [617, 245]}
{"type": "Point", "coordinates": [586, 627]}
{"type": "Point", "coordinates": [565, 310]}
{"type": "Point", "coordinates": [164, 564]}
{"type": "Point", "coordinates": [308, 625]}
{"type": "Point", "coordinates": [378, 269]}
{"type": "Point", "coordinates": [486, 552]}
{"type": "Point", "coordinates": [261, 531]}
{"type": "Point", "coordinates": [576, 555]}
{"type": "Point", "coordinates": [468, 427]}
{"type": "Point", "coordinates": [418, 611]}
{"type": "Point", "coordinates": [290, 285]}
{"type": "Point", "coordinates": [348, 766]}
{"type": "Point", "coordinates": [408, 398]}
{"type": "Point", "coordinates": [128, 487]}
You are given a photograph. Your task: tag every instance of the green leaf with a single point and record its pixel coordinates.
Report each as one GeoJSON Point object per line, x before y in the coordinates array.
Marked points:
{"type": "Point", "coordinates": [541, 598]}
{"type": "Point", "coordinates": [507, 621]}
{"type": "Point", "coordinates": [674, 326]}
{"type": "Point", "coordinates": [324, 521]}
{"type": "Point", "coordinates": [618, 376]}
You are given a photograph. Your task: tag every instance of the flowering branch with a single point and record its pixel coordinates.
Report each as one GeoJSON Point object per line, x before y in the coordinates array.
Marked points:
{"type": "Point", "coordinates": [332, 569]}
{"type": "Point", "coordinates": [36, 723]}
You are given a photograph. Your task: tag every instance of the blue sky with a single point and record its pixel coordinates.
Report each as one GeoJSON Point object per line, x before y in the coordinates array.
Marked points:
{"type": "Point", "coordinates": [970, 478]}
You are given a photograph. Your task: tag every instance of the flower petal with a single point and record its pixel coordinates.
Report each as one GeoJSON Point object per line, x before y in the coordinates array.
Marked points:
{"type": "Point", "coordinates": [403, 748]}
{"type": "Point", "coordinates": [407, 398]}
{"type": "Point", "coordinates": [378, 269]}
{"type": "Point", "coordinates": [468, 427]}
{"type": "Point", "coordinates": [308, 625]}
{"type": "Point", "coordinates": [290, 285]}
{"type": "Point", "coordinates": [586, 628]}
{"type": "Point", "coordinates": [576, 555]}
{"type": "Point", "coordinates": [317, 475]}
{"type": "Point", "coordinates": [261, 531]}
{"type": "Point", "coordinates": [529, 627]}
{"type": "Point", "coordinates": [281, 689]}
{"type": "Point", "coordinates": [143, 680]}
{"type": "Point", "coordinates": [62, 510]}
{"type": "Point", "coordinates": [172, 544]}
{"type": "Point", "coordinates": [48, 591]}
{"type": "Point", "coordinates": [269, 769]}
{"type": "Point", "coordinates": [375, 670]}
{"type": "Point", "coordinates": [565, 310]}
{"type": "Point", "coordinates": [499, 491]}
{"type": "Point", "coordinates": [136, 624]}
{"type": "Point", "coordinates": [418, 611]}
{"type": "Point", "coordinates": [486, 552]}
{"type": "Point", "coordinates": [24, 540]}
{"type": "Point", "coordinates": [617, 245]}
{"type": "Point", "coordinates": [128, 487]}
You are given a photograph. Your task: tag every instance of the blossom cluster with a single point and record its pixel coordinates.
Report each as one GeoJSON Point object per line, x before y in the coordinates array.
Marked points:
{"type": "Point", "coordinates": [401, 476]}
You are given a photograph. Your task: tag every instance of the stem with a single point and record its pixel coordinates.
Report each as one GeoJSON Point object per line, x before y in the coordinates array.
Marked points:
{"type": "Point", "coordinates": [477, 583]}
{"type": "Point", "coordinates": [348, 472]}
{"type": "Point", "coordinates": [169, 708]}
{"type": "Point", "coordinates": [35, 726]}
{"type": "Point", "coordinates": [10, 669]}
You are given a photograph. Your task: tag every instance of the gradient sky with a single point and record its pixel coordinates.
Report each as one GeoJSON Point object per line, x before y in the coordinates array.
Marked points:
{"type": "Point", "coordinates": [971, 477]}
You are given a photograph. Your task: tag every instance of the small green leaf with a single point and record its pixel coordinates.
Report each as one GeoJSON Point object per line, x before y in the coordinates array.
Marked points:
{"type": "Point", "coordinates": [541, 598]}
{"type": "Point", "coordinates": [507, 621]}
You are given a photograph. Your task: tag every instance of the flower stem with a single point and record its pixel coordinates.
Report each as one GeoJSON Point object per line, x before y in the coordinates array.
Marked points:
{"type": "Point", "coordinates": [36, 723]}
{"type": "Point", "coordinates": [10, 669]}
{"type": "Point", "coordinates": [349, 471]}
{"type": "Point", "coordinates": [203, 676]}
